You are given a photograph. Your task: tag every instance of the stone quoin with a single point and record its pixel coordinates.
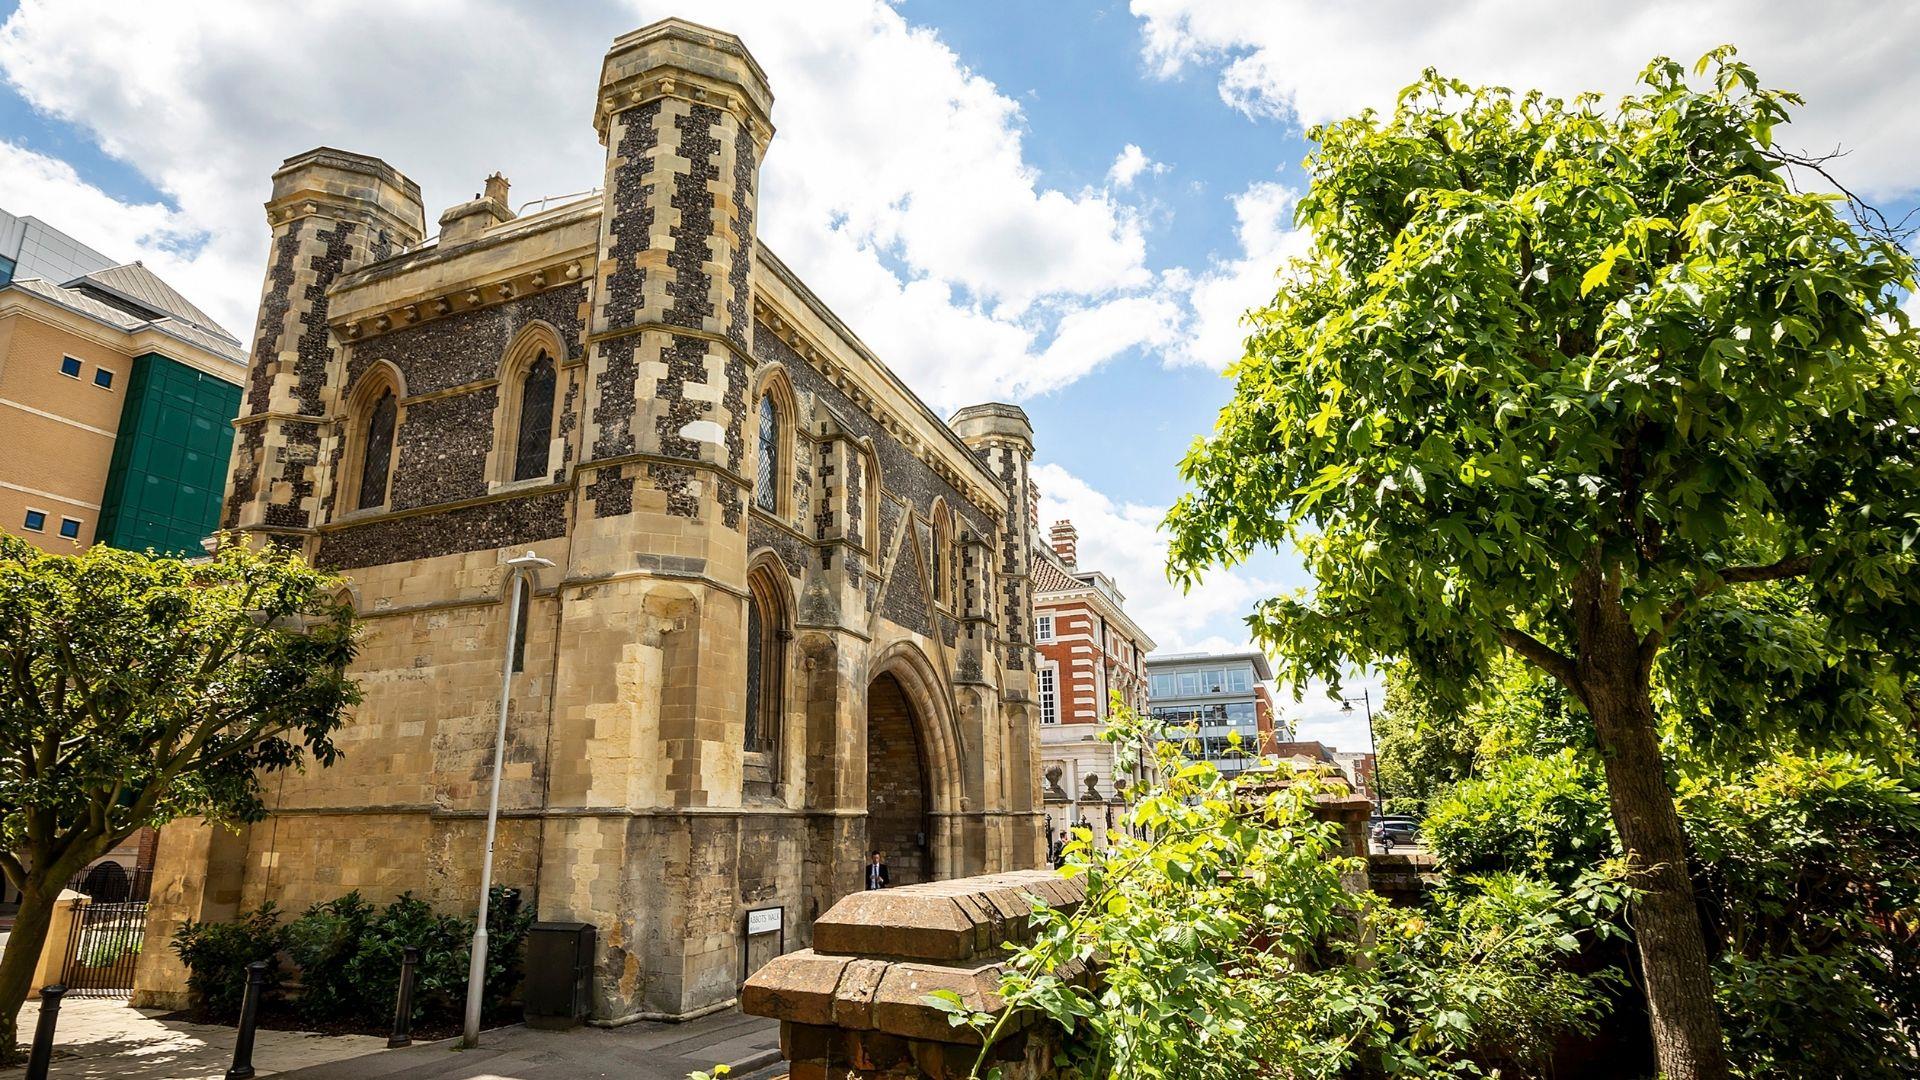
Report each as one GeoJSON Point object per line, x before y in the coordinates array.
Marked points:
{"type": "Point", "coordinates": [790, 617]}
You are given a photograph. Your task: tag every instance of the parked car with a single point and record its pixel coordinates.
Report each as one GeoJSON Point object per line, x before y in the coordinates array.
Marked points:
{"type": "Point", "coordinates": [1388, 831]}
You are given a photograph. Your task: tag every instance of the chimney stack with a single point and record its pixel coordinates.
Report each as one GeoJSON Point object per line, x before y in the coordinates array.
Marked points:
{"type": "Point", "coordinates": [1066, 543]}
{"type": "Point", "coordinates": [497, 189]}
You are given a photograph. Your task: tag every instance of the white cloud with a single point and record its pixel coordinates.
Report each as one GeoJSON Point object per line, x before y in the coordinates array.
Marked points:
{"type": "Point", "coordinates": [1314, 62]}
{"type": "Point", "coordinates": [896, 185]}
{"type": "Point", "coordinates": [1124, 541]}
{"type": "Point", "coordinates": [56, 194]}
{"type": "Point", "coordinates": [1130, 164]}
{"type": "Point", "coordinates": [1220, 295]}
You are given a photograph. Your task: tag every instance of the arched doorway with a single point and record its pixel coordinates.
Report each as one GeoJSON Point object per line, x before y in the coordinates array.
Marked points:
{"type": "Point", "coordinates": [899, 825]}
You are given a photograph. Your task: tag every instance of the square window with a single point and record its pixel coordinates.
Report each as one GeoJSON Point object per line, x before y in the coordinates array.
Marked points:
{"type": "Point", "coordinates": [103, 378]}
{"type": "Point", "coordinates": [70, 528]}
{"type": "Point", "coordinates": [70, 367]}
{"type": "Point", "coordinates": [36, 521]}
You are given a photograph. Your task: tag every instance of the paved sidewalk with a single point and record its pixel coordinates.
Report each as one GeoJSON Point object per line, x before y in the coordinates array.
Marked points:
{"type": "Point", "coordinates": [643, 1051]}
{"type": "Point", "coordinates": [98, 1038]}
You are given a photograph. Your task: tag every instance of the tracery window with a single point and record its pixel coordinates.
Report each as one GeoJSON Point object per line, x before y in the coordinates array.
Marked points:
{"type": "Point", "coordinates": [535, 437]}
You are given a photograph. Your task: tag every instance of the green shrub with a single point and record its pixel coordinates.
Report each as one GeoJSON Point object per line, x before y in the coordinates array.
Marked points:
{"type": "Point", "coordinates": [1809, 871]}
{"type": "Point", "coordinates": [1542, 816]}
{"type": "Point", "coordinates": [349, 954]}
{"type": "Point", "coordinates": [324, 943]}
{"type": "Point", "coordinates": [105, 953]}
{"type": "Point", "coordinates": [217, 954]}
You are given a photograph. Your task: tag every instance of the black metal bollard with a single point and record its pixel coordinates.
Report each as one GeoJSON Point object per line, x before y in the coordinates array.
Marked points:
{"type": "Point", "coordinates": [42, 1055]}
{"type": "Point", "coordinates": [249, 1013]}
{"type": "Point", "coordinates": [403, 1005]}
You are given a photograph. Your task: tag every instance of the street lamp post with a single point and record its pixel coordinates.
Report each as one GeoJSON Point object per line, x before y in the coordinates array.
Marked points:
{"type": "Point", "coordinates": [1366, 701]}
{"type": "Point", "coordinates": [523, 568]}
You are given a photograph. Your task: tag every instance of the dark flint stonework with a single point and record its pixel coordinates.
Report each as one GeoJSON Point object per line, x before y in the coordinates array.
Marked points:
{"type": "Point", "coordinates": [949, 630]}
{"type": "Point", "coordinates": [735, 400]}
{"type": "Point", "coordinates": [246, 472]}
{"type": "Point", "coordinates": [301, 455]}
{"type": "Point", "coordinates": [443, 444]}
{"type": "Point", "coordinates": [904, 600]}
{"type": "Point", "coordinates": [686, 361]}
{"type": "Point", "coordinates": [443, 449]}
{"type": "Point", "coordinates": [273, 318]}
{"type": "Point", "coordinates": [569, 419]}
{"type": "Point", "coordinates": [611, 492]}
{"type": "Point", "coordinates": [790, 548]}
{"type": "Point", "coordinates": [677, 482]}
{"type": "Point", "coordinates": [901, 473]}
{"type": "Point", "coordinates": [740, 272]}
{"type": "Point", "coordinates": [692, 287]}
{"type": "Point", "coordinates": [630, 194]}
{"type": "Point", "coordinates": [630, 224]}
{"type": "Point", "coordinates": [467, 346]}
{"type": "Point", "coordinates": [856, 498]}
{"type": "Point", "coordinates": [381, 248]}
{"type": "Point", "coordinates": [510, 523]}
{"type": "Point", "coordinates": [315, 348]}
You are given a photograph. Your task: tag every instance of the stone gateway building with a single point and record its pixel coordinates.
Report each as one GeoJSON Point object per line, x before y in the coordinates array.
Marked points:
{"type": "Point", "coordinates": [789, 618]}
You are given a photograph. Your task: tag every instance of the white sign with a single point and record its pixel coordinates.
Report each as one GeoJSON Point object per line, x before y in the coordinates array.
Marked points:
{"type": "Point", "coordinates": [765, 920]}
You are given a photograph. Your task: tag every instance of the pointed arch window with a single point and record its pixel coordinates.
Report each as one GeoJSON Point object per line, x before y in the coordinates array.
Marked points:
{"type": "Point", "coordinates": [534, 440]}
{"type": "Point", "coordinates": [376, 459]}
{"type": "Point", "coordinates": [767, 486]}
{"type": "Point", "coordinates": [767, 636]}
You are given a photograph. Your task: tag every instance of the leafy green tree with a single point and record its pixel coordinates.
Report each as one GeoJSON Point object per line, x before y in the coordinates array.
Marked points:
{"type": "Point", "coordinates": [135, 689]}
{"type": "Point", "coordinates": [1430, 742]}
{"type": "Point", "coordinates": [1554, 377]}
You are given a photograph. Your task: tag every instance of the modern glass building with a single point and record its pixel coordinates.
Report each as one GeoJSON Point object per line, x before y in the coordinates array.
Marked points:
{"type": "Point", "coordinates": [1212, 698]}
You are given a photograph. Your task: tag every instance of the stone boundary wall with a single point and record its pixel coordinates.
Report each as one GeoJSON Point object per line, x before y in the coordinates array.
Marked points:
{"type": "Point", "coordinates": [854, 1006]}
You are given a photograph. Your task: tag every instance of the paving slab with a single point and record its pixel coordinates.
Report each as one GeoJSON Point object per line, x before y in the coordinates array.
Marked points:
{"type": "Point", "coordinates": [642, 1051]}
{"type": "Point", "coordinates": [99, 1038]}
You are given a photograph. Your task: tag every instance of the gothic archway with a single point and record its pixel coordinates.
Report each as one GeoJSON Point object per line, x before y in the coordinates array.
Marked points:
{"type": "Point", "coordinates": [940, 765]}
{"type": "Point", "coordinates": [899, 801]}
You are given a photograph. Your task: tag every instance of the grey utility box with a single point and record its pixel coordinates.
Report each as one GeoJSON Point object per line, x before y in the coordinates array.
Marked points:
{"type": "Point", "coordinates": [559, 989]}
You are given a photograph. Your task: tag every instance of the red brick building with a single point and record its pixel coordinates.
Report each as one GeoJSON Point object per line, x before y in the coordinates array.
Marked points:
{"type": "Point", "coordinates": [1089, 649]}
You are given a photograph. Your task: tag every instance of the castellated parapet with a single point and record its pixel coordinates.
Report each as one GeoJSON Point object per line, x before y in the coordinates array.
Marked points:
{"type": "Point", "coordinates": [788, 620]}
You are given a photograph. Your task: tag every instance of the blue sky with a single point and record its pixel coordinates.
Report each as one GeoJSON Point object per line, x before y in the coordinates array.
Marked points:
{"type": "Point", "coordinates": [1066, 204]}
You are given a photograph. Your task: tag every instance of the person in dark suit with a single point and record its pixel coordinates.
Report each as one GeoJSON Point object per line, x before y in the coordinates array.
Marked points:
{"type": "Point", "coordinates": [877, 873]}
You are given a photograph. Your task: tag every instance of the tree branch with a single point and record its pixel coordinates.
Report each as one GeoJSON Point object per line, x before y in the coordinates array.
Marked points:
{"type": "Point", "coordinates": [1544, 656]}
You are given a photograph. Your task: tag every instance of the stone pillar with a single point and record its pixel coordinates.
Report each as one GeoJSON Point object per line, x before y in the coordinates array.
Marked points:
{"type": "Point", "coordinates": [331, 212]}
{"type": "Point", "coordinates": [1002, 437]}
{"type": "Point", "coordinates": [854, 1006]}
{"type": "Point", "coordinates": [68, 908]}
{"type": "Point", "coordinates": [196, 878]}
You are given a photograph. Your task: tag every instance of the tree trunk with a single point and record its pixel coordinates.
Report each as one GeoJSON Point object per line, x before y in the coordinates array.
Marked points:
{"type": "Point", "coordinates": [37, 900]}
{"type": "Point", "coordinates": [1615, 680]}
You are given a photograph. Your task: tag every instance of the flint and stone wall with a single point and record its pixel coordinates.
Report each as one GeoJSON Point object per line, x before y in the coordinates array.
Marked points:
{"type": "Point", "coordinates": [626, 800]}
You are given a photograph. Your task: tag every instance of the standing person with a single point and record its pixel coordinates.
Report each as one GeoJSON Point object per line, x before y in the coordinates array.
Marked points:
{"type": "Point", "coordinates": [877, 873]}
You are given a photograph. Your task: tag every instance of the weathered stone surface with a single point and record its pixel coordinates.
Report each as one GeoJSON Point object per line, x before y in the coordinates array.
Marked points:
{"type": "Point", "coordinates": [631, 795]}
{"type": "Point", "coordinates": [942, 920]}
{"type": "Point", "coordinates": [800, 986]}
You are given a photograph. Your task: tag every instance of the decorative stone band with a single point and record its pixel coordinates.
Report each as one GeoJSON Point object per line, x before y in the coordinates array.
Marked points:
{"type": "Point", "coordinates": [363, 326]}
{"type": "Point", "coordinates": [855, 1005]}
